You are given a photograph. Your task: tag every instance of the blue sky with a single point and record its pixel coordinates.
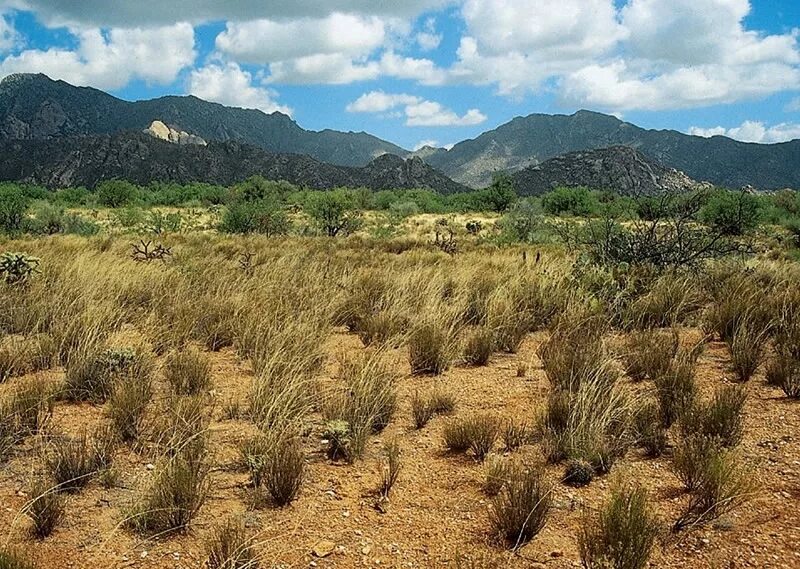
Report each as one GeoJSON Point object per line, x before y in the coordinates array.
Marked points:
{"type": "Point", "coordinates": [432, 70]}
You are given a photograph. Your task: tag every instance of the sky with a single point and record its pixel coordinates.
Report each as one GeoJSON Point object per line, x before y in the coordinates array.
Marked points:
{"type": "Point", "coordinates": [434, 72]}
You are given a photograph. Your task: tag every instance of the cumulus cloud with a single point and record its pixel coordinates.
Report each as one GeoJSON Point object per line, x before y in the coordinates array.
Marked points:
{"type": "Point", "coordinates": [417, 111]}
{"type": "Point", "coordinates": [230, 85]}
{"type": "Point", "coordinates": [267, 41]}
{"type": "Point", "coordinates": [126, 13]}
{"type": "Point", "coordinates": [427, 38]}
{"type": "Point", "coordinates": [110, 60]}
{"type": "Point", "coordinates": [752, 131]}
{"type": "Point", "coordinates": [332, 69]}
{"type": "Point", "coordinates": [9, 37]}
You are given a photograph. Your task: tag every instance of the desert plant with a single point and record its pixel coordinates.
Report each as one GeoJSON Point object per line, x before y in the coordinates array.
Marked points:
{"type": "Point", "coordinates": [649, 430]}
{"type": "Point", "coordinates": [443, 402]}
{"type": "Point", "coordinates": [71, 462]}
{"type": "Point", "coordinates": [391, 469]}
{"type": "Point", "coordinates": [229, 547]}
{"type": "Point", "coordinates": [747, 347]}
{"type": "Point", "coordinates": [421, 409]}
{"type": "Point", "coordinates": [721, 418]}
{"type": "Point", "coordinates": [477, 433]}
{"type": "Point", "coordinates": [284, 470]}
{"type": "Point", "coordinates": [676, 389]}
{"type": "Point", "coordinates": [188, 372]}
{"type": "Point", "coordinates": [92, 374]}
{"type": "Point", "coordinates": [45, 508]}
{"type": "Point", "coordinates": [127, 406]}
{"type": "Point", "coordinates": [12, 559]}
{"type": "Point", "coordinates": [578, 473]}
{"type": "Point", "coordinates": [28, 408]}
{"type": "Point", "coordinates": [17, 268]}
{"type": "Point", "coordinates": [649, 353]}
{"type": "Point", "coordinates": [722, 485]}
{"type": "Point", "coordinates": [456, 436]}
{"type": "Point", "coordinates": [176, 494]}
{"type": "Point", "coordinates": [515, 433]}
{"type": "Point", "coordinates": [622, 534]}
{"type": "Point", "coordinates": [479, 347]}
{"type": "Point", "coordinates": [432, 347]}
{"type": "Point", "coordinates": [591, 423]}
{"type": "Point", "coordinates": [338, 435]}
{"type": "Point", "coordinates": [497, 472]}
{"type": "Point", "coordinates": [520, 511]}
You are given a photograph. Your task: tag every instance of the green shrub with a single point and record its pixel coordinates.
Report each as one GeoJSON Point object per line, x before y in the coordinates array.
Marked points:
{"type": "Point", "coordinates": [570, 201]}
{"type": "Point", "coordinates": [13, 208]}
{"type": "Point", "coordinates": [265, 217]}
{"type": "Point", "coordinates": [116, 193]}
{"type": "Point", "coordinates": [732, 213]}
{"type": "Point", "coordinates": [622, 534]}
{"type": "Point", "coordinates": [334, 212]}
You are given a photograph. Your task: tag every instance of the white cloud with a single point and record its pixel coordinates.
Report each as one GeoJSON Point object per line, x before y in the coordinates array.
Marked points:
{"type": "Point", "coordinates": [332, 69]}
{"type": "Point", "coordinates": [380, 102]}
{"type": "Point", "coordinates": [230, 85]}
{"type": "Point", "coordinates": [9, 37]}
{"type": "Point", "coordinates": [268, 41]}
{"type": "Point", "coordinates": [423, 143]}
{"type": "Point", "coordinates": [752, 131]}
{"type": "Point", "coordinates": [427, 38]}
{"type": "Point", "coordinates": [109, 60]}
{"type": "Point", "coordinates": [793, 105]}
{"type": "Point", "coordinates": [418, 111]}
{"type": "Point", "coordinates": [423, 71]}
{"type": "Point", "coordinates": [158, 12]}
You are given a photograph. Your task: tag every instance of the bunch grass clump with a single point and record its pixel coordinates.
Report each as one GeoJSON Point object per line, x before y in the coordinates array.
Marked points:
{"type": "Point", "coordinates": [622, 534]}
{"type": "Point", "coordinates": [721, 418]}
{"type": "Point", "coordinates": [649, 353]}
{"type": "Point", "coordinates": [479, 346]}
{"type": "Point", "coordinates": [432, 345]}
{"type": "Point", "coordinates": [229, 547]}
{"type": "Point", "coordinates": [188, 372]}
{"type": "Point", "coordinates": [477, 433]}
{"type": "Point", "coordinates": [520, 511]}
{"type": "Point", "coordinates": [45, 508]}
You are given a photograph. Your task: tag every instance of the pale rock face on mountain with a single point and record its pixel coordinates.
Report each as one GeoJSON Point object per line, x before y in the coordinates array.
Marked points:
{"type": "Point", "coordinates": [158, 129]}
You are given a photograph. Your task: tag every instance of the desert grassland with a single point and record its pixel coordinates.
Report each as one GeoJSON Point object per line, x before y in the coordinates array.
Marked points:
{"type": "Point", "coordinates": [377, 402]}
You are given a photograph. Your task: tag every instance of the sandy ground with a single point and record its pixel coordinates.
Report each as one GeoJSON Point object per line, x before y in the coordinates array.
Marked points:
{"type": "Point", "coordinates": [437, 511]}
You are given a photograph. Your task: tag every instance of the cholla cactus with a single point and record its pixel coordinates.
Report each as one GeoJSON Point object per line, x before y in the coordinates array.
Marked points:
{"type": "Point", "coordinates": [17, 268]}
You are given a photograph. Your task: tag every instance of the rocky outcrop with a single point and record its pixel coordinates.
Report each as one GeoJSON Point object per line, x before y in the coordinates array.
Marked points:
{"type": "Point", "coordinates": [620, 169]}
{"type": "Point", "coordinates": [142, 158]}
{"type": "Point", "coordinates": [158, 129]}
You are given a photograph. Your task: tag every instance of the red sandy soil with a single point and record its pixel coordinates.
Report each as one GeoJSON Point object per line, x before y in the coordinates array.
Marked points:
{"type": "Point", "coordinates": [437, 511]}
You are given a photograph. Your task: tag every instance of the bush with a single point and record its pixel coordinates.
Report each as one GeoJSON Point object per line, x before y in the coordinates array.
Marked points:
{"type": "Point", "coordinates": [188, 372]}
{"type": "Point", "coordinates": [690, 458]}
{"type": "Point", "coordinates": [649, 354]}
{"type": "Point", "coordinates": [732, 213]}
{"type": "Point", "coordinates": [578, 202]}
{"type": "Point", "coordinates": [676, 389]}
{"type": "Point", "coordinates": [590, 424]}
{"type": "Point", "coordinates": [747, 348]}
{"type": "Point", "coordinates": [421, 410]}
{"type": "Point", "coordinates": [431, 347]}
{"type": "Point", "coordinates": [501, 194]}
{"type": "Point", "coordinates": [265, 217]}
{"type": "Point", "coordinates": [175, 496]}
{"type": "Point", "coordinates": [13, 207]}
{"type": "Point", "coordinates": [722, 418]}
{"type": "Point", "coordinates": [622, 534]}
{"type": "Point", "coordinates": [520, 511]}
{"type": "Point", "coordinates": [71, 462]}
{"type": "Point", "coordinates": [116, 193]}
{"type": "Point", "coordinates": [723, 484]}
{"type": "Point", "coordinates": [479, 347]}
{"type": "Point", "coordinates": [334, 212]}
{"type": "Point", "coordinates": [228, 547]}
{"type": "Point", "coordinates": [649, 430]}
{"type": "Point", "coordinates": [127, 406]}
{"type": "Point", "coordinates": [45, 508]}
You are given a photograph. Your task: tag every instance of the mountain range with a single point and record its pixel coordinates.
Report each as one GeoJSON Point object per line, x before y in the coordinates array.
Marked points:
{"type": "Point", "coordinates": [55, 121]}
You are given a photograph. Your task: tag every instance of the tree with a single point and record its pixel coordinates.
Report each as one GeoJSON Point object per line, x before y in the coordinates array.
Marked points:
{"type": "Point", "coordinates": [116, 193]}
{"type": "Point", "coordinates": [502, 193]}
{"type": "Point", "coordinates": [334, 212]}
{"type": "Point", "coordinates": [570, 201]}
{"type": "Point", "coordinates": [13, 207]}
{"type": "Point", "coordinates": [732, 213]}
{"type": "Point", "coordinates": [266, 217]}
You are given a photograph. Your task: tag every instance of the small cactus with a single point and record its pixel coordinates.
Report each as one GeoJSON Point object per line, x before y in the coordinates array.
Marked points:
{"type": "Point", "coordinates": [338, 436]}
{"type": "Point", "coordinates": [579, 473]}
{"type": "Point", "coordinates": [17, 268]}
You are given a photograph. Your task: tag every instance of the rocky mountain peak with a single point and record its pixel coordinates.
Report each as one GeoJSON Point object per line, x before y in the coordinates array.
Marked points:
{"type": "Point", "coordinates": [159, 129]}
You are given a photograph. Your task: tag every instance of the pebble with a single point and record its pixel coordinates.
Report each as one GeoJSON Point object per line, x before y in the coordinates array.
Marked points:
{"type": "Point", "coordinates": [323, 548]}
